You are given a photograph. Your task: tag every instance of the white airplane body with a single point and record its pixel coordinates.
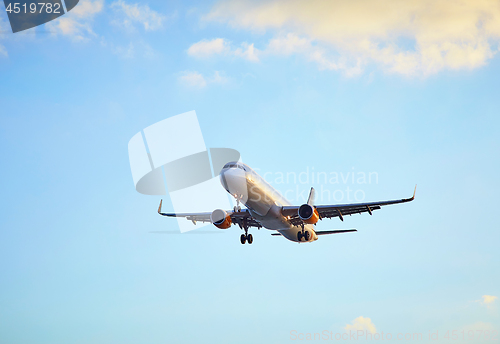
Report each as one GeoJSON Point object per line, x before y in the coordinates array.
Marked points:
{"type": "Point", "coordinates": [267, 208]}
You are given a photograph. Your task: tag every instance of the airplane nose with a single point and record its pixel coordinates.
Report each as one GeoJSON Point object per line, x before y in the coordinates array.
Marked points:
{"type": "Point", "coordinates": [234, 180]}
{"type": "Point", "coordinates": [230, 175]}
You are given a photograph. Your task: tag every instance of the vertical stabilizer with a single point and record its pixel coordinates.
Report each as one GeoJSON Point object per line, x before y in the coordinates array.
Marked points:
{"type": "Point", "coordinates": [311, 198]}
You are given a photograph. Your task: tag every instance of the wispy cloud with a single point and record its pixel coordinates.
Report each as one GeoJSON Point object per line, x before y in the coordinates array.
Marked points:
{"type": "Point", "coordinates": [220, 46]}
{"type": "Point", "coordinates": [194, 79]}
{"type": "Point", "coordinates": [413, 37]}
{"type": "Point", "coordinates": [77, 23]}
{"type": "Point", "coordinates": [218, 78]}
{"type": "Point", "coordinates": [206, 48]}
{"type": "Point", "coordinates": [289, 44]}
{"type": "Point", "coordinates": [248, 52]}
{"type": "Point", "coordinates": [488, 300]}
{"type": "Point", "coordinates": [3, 27]}
{"type": "Point", "coordinates": [138, 14]}
{"type": "Point", "coordinates": [293, 44]}
{"type": "Point", "coordinates": [134, 49]}
{"type": "Point", "coordinates": [3, 51]}
{"type": "Point", "coordinates": [281, 45]}
{"type": "Point", "coordinates": [362, 324]}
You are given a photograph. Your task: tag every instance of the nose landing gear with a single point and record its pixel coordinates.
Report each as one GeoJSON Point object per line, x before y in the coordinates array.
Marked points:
{"type": "Point", "coordinates": [237, 207]}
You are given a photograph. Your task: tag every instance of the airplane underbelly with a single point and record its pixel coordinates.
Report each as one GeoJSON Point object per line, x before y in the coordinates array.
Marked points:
{"type": "Point", "coordinates": [291, 233]}
{"type": "Point", "coordinates": [272, 219]}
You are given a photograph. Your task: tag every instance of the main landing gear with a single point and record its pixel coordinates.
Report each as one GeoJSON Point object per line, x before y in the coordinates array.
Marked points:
{"type": "Point", "coordinates": [246, 237]}
{"type": "Point", "coordinates": [303, 234]}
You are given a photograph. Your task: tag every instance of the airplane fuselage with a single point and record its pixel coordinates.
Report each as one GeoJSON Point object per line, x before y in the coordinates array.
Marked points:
{"type": "Point", "coordinates": [261, 199]}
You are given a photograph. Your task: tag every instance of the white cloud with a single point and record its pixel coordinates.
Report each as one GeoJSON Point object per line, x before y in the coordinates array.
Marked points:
{"type": "Point", "coordinates": [412, 37]}
{"type": "Point", "coordinates": [194, 79]}
{"type": "Point", "coordinates": [135, 49]}
{"type": "Point", "coordinates": [207, 48]}
{"type": "Point", "coordinates": [136, 13]}
{"type": "Point", "coordinates": [3, 27]}
{"type": "Point", "coordinates": [127, 52]}
{"type": "Point", "coordinates": [220, 46]}
{"type": "Point", "coordinates": [362, 324]}
{"type": "Point", "coordinates": [77, 22]}
{"type": "Point", "coordinates": [293, 44]}
{"type": "Point", "coordinates": [248, 52]}
{"type": "Point", "coordinates": [3, 51]}
{"type": "Point", "coordinates": [488, 299]}
{"type": "Point", "coordinates": [219, 78]}
{"type": "Point", "coordinates": [282, 45]}
{"type": "Point", "coordinates": [289, 44]}
{"type": "Point", "coordinates": [87, 8]}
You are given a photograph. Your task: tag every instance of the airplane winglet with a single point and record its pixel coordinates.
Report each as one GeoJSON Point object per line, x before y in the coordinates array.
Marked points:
{"type": "Point", "coordinates": [159, 207]}
{"type": "Point", "coordinates": [411, 198]}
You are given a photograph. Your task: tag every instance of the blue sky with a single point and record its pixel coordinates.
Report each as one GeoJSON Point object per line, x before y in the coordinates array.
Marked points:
{"type": "Point", "coordinates": [410, 93]}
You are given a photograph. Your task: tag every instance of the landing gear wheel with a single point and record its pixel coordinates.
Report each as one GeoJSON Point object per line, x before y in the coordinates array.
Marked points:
{"type": "Point", "coordinates": [307, 235]}
{"type": "Point", "coordinates": [243, 238]}
{"type": "Point", "coordinates": [299, 236]}
{"type": "Point", "coordinates": [250, 238]}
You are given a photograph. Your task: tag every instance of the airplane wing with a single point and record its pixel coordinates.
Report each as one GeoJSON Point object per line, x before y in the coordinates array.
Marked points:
{"type": "Point", "coordinates": [340, 210]}
{"type": "Point", "coordinates": [239, 217]}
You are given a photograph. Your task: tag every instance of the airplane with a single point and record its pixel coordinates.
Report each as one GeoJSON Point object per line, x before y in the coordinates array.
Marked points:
{"type": "Point", "coordinates": [266, 207]}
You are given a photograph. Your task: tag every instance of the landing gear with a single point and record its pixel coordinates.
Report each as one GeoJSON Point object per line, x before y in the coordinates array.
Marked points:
{"type": "Point", "coordinates": [304, 234]}
{"type": "Point", "coordinates": [237, 207]}
{"type": "Point", "coordinates": [307, 235]}
{"type": "Point", "coordinates": [246, 238]}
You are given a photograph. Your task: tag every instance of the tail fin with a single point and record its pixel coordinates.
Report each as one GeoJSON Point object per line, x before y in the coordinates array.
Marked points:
{"type": "Point", "coordinates": [312, 195]}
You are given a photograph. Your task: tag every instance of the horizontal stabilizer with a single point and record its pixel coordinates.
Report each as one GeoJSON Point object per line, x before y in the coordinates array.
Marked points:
{"type": "Point", "coordinates": [336, 231]}
{"type": "Point", "coordinates": [326, 232]}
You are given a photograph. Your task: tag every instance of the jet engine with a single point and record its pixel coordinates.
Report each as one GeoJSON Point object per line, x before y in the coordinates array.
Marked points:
{"type": "Point", "coordinates": [221, 219]}
{"type": "Point", "coordinates": [308, 214]}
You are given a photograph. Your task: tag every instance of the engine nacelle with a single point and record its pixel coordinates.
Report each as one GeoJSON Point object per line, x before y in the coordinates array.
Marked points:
{"type": "Point", "coordinates": [221, 219]}
{"type": "Point", "coordinates": [308, 214]}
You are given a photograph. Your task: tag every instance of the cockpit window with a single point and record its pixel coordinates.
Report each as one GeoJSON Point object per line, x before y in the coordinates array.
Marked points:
{"type": "Point", "coordinates": [231, 165]}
